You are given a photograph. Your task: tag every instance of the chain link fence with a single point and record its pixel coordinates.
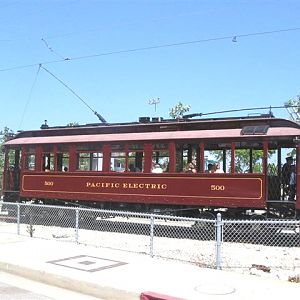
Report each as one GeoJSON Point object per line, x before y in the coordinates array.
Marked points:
{"type": "Point", "coordinates": [261, 244]}
{"type": "Point", "coordinates": [209, 243]}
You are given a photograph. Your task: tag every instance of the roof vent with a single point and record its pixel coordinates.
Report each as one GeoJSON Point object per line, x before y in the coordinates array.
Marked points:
{"type": "Point", "coordinates": [45, 125]}
{"type": "Point", "coordinates": [255, 130]}
{"type": "Point", "coordinates": [144, 119]}
{"type": "Point", "coordinates": [157, 119]}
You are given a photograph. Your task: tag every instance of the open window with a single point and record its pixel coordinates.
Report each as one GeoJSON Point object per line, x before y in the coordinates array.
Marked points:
{"type": "Point", "coordinates": [48, 158]}
{"type": "Point", "coordinates": [62, 159]}
{"type": "Point", "coordinates": [160, 157]}
{"type": "Point", "coordinates": [89, 158]}
{"type": "Point", "coordinates": [135, 158]}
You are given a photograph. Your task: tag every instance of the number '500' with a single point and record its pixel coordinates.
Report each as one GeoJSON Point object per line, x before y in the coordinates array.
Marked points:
{"type": "Point", "coordinates": [215, 187]}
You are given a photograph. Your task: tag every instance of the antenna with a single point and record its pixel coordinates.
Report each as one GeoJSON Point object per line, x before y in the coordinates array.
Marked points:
{"type": "Point", "coordinates": [154, 102]}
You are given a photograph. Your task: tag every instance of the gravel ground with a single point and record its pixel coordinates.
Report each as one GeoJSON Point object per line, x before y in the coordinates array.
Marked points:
{"type": "Point", "coordinates": [282, 263]}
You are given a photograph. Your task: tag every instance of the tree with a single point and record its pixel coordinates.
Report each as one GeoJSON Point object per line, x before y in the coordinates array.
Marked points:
{"type": "Point", "coordinates": [293, 107]}
{"type": "Point", "coordinates": [294, 102]}
{"type": "Point", "coordinates": [178, 110]}
{"type": "Point", "coordinates": [4, 136]}
{"type": "Point", "coordinates": [242, 159]}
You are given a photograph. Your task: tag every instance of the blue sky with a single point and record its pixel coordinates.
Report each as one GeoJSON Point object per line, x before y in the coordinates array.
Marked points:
{"type": "Point", "coordinates": [257, 70]}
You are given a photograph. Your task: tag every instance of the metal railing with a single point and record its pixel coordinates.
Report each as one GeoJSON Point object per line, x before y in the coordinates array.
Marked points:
{"type": "Point", "coordinates": [205, 242]}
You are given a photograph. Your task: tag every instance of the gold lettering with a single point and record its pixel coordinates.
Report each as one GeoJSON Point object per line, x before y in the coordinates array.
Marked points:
{"type": "Point", "coordinates": [130, 185]}
{"type": "Point", "coordinates": [215, 187]}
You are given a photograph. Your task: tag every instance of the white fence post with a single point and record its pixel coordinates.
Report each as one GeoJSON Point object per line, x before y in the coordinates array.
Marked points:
{"type": "Point", "coordinates": [77, 225]}
{"type": "Point", "coordinates": [218, 241]}
{"type": "Point", "coordinates": [151, 235]}
{"type": "Point", "coordinates": [18, 218]}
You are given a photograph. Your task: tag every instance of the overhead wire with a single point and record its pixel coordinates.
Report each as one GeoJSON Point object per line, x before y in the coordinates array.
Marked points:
{"type": "Point", "coordinates": [230, 37]}
{"type": "Point", "coordinates": [29, 96]}
{"type": "Point", "coordinates": [52, 50]}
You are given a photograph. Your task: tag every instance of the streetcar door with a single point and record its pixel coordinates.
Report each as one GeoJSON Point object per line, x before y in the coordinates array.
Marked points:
{"type": "Point", "coordinates": [282, 174]}
{"type": "Point", "coordinates": [12, 170]}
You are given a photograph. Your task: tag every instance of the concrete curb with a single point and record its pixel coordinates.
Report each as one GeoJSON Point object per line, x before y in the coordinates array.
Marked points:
{"type": "Point", "coordinates": [79, 286]}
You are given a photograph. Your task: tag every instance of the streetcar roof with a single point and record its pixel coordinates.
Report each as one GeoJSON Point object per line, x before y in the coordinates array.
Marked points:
{"type": "Point", "coordinates": [152, 136]}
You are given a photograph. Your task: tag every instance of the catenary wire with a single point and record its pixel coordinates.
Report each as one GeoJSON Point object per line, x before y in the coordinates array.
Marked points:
{"type": "Point", "coordinates": [29, 97]}
{"type": "Point", "coordinates": [153, 48]}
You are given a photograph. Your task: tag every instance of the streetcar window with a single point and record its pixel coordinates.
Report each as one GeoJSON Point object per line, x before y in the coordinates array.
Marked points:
{"type": "Point", "coordinates": [217, 161]}
{"type": "Point", "coordinates": [62, 161]}
{"type": "Point", "coordinates": [97, 161]}
{"type": "Point", "coordinates": [249, 157]}
{"type": "Point", "coordinates": [257, 165]}
{"type": "Point", "coordinates": [30, 161]}
{"type": "Point", "coordinates": [48, 161]}
{"type": "Point", "coordinates": [83, 162]}
{"type": "Point", "coordinates": [182, 158]}
{"type": "Point", "coordinates": [211, 158]}
{"type": "Point", "coordinates": [135, 157]}
{"type": "Point", "coordinates": [14, 157]}
{"type": "Point", "coordinates": [118, 161]}
{"type": "Point", "coordinates": [48, 158]}
{"type": "Point", "coordinates": [29, 158]}
{"type": "Point", "coordinates": [90, 157]}
{"type": "Point", "coordinates": [161, 157]}
{"type": "Point", "coordinates": [135, 161]}
{"type": "Point", "coordinates": [87, 161]}
{"type": "Point", "coordinates": [186, 154]}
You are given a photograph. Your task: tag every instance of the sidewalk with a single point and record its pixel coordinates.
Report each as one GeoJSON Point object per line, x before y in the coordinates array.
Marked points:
{"type": "Point", "coordinates": [111, 274]}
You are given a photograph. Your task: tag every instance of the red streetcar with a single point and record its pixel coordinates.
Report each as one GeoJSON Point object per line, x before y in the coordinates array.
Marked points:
{"type": "Point", "coordinates": [161, 165]}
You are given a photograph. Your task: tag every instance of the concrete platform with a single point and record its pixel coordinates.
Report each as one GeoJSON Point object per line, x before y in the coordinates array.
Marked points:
{"type": "Point", "coordinates": [111, 274]}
